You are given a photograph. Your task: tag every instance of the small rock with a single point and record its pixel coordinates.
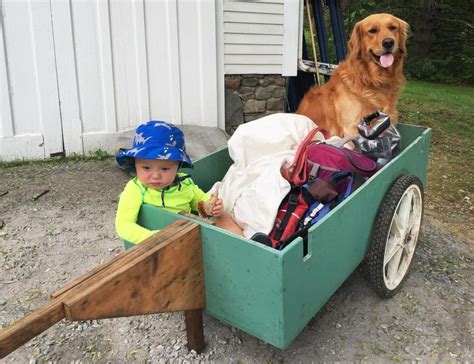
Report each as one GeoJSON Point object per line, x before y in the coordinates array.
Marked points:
{"type": "Point", "coordinates": [3, 302]}
{"type": "Point", "coordinates": [338, 325]}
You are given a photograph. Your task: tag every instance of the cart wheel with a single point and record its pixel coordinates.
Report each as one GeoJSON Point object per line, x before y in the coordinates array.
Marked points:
{"type": "Point", "coordinates": [395, 235]}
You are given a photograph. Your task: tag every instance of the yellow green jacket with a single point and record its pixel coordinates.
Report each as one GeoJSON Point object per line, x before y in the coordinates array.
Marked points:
{"type": "Point", "coordinates": [183, 197]}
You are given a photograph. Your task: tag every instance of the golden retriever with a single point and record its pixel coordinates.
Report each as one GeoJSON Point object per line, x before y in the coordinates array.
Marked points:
{"type": "Point", "coordinates": [369, 79]}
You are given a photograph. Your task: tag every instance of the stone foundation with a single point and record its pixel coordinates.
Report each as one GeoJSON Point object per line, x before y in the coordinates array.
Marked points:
{"type": "Point", "coordinates": [249, 97]}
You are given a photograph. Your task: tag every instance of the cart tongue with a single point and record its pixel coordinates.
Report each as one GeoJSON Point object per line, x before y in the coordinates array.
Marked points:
{"type": "Point", "coordinates": [386, 60]}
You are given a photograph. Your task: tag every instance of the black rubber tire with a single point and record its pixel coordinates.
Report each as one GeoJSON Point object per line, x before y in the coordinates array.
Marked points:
{"type": "Point", "coordinates": [383, 221]}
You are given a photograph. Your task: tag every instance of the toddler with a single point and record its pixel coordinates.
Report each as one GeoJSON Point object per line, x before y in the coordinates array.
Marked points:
{"type": "Point", "coordinates": [157, 153]}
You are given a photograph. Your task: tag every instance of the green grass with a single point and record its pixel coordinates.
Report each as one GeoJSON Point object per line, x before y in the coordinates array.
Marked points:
{"type": "Point", "coordinates": [448, 110]}
{"type": "Point", "coordinates": [93, 155]}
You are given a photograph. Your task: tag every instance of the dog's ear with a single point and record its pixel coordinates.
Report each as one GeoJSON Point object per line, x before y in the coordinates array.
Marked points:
{"type": "Point", "coordinates": [355, 42]}
{"type": "Point", "coordinates": [404, 28]}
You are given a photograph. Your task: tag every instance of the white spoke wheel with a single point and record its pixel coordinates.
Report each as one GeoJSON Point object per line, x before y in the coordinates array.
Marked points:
{"type": "Point", "coordinates": [395, 235]}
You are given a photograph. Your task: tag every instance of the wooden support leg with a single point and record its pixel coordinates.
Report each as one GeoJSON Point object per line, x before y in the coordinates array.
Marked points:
{"type": "Point", "coordinates": [194, 330]}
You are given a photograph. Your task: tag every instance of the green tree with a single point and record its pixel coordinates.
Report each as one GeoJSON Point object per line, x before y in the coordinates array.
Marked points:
{"type": "Point", "coordinates": [440, 47]}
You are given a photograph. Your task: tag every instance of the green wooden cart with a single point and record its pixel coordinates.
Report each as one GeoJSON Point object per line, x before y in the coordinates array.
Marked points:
{"type": "Point", "coordinates": [273, 294]}
{"type": "Point", "coordinates": [265, 292]}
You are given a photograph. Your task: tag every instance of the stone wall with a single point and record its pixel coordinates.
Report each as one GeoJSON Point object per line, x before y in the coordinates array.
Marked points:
{"type": "Point", "coordinates": [249, 97]}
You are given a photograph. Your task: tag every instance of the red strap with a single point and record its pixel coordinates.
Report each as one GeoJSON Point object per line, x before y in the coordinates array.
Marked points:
{"type": "Point", "coordinates": [296, 172]}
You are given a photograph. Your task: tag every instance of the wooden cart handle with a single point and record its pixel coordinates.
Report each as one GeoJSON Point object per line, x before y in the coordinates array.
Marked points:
{"type": "Point", "coordinates": [31, 325]}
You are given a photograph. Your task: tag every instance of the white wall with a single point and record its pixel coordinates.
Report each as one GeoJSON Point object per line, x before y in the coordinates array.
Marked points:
{"type": "Point", "coordinates": [76, 74]}
{"type": "Point", "coordinates": [28, 84]}
{"type": "Point", "coordinates": [261, 36]}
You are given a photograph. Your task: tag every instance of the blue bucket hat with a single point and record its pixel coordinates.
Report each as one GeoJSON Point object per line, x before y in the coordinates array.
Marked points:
{"type": "Point", "coordinates": [156, 140]}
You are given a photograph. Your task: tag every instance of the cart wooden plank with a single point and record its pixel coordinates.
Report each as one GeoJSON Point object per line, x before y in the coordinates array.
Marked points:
{"type": "Point", "coordinates": [29, 326]}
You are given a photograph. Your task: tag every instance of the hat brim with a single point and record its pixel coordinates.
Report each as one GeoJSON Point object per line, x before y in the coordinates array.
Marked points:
{"type": "Point", "coordinates": [125, 157]}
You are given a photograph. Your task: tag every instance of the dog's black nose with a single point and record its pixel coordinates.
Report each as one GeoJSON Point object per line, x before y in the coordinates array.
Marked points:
{"type": "Point", "coordinates": [388, 43]}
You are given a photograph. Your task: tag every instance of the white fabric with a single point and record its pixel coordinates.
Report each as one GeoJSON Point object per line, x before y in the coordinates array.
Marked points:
{"type": "Point", "coordinates": [253, 187]}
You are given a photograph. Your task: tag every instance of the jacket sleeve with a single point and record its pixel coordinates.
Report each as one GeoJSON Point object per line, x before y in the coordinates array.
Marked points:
{"type": "Point", "coordinates": [127, 214]}
{"type": "Point", "coordinates": [199, 195]}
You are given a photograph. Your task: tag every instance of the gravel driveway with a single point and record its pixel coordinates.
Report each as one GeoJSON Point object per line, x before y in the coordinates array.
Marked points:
{"type": "Point", "coordinates": [49, 238]}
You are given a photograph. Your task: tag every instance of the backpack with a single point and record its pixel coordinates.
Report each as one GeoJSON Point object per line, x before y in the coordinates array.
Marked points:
{"type": "Point", "coordinates": [314, 158]}
{"type": "Point", "coordinates": [296, 171]}
{"type": "Point", "coordinates": [324, 160]}
{"type": "Point", "coordinates": [344, 183]}
{"type": "Point", "coordinates": [290, 212]}
{"type": "Point", "coordinates": [307, 204]}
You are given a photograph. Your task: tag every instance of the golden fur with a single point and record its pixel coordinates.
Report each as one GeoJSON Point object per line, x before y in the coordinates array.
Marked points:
{"type": "Point", "coordinates": [360, 85]}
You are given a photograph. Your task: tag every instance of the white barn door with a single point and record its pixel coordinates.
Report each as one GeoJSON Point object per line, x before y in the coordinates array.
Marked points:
{"type": "Point", "coordinates": [30, 121]}
{"type": "Point", "coordinates": [74, 75]}
{"type": "Point", "coordinates": [121, 63]}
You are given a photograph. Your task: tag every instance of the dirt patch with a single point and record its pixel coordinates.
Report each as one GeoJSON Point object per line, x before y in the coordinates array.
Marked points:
{"type": "Point", "coordinates": [68, 230]}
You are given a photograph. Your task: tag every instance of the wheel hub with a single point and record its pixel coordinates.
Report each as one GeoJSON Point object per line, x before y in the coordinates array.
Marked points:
{"type": "Point", "coordinates": [402, 237]}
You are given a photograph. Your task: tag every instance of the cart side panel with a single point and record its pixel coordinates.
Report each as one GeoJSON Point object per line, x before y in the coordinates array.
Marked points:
{"type": "Point", "coordinates": [210, 169]}
{"type": "Point", "coordinates": [339, 242]}
{"type": "Point", "coordinates": [243, 284]}
{"type": "Point", "coordinates": [242, 278]}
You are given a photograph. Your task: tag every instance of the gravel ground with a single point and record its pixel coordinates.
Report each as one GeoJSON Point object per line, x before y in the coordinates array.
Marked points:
{"type": "Point", "coordinates": [47, 240]}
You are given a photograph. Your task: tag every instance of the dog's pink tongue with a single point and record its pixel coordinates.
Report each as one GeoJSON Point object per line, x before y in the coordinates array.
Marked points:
{"type": "Point", "coordinates": [386, 60]}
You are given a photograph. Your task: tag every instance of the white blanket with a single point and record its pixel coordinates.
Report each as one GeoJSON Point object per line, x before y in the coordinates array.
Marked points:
{"type": "Point", "coordinates": [253, 187]}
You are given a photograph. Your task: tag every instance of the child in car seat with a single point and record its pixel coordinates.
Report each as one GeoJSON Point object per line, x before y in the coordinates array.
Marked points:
{"type": "Point", "coordinates": [157, 153]}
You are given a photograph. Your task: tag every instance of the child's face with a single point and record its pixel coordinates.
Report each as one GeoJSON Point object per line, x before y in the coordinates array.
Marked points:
{"type": "Point", "coordinates": [156, 173]}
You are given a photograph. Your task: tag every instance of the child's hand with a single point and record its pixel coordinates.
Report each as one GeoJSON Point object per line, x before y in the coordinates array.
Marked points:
{"type": "Point", "coordinates": [218, 208]}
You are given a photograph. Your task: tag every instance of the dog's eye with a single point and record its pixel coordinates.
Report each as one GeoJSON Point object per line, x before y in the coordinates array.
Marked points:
{"type": "Point", "coordinates": [373, 30]}
{"type": "Point", "coordinates": [392, 27]}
